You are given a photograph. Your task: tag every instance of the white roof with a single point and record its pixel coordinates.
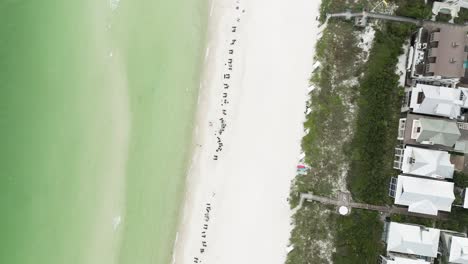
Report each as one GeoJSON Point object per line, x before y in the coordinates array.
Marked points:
{"type": "Point", "coordinates": [465, 204]}
{"type": "Point", "coordinates": [427, 162]}
{"type": "Point", "coordinates": [424, 196]}
{"type": "Point", "coordinates": [459, 250]}
{"type": "Point", "coordinates": [412, 239]}
{"type": "Point", "coordinates": [440, 101]}
{"type": "Point", "coordinates": [461, 3]}
{"type": "Point", "coordinates": [398, 260]}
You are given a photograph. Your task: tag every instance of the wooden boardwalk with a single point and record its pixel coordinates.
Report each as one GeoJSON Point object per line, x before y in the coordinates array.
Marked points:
{"type": "Point", "coordinates": [348, 15]}
{"type": "Point", "coordinates": [365, 15]}
{"type": "Point", "coordinates": [344, 199]}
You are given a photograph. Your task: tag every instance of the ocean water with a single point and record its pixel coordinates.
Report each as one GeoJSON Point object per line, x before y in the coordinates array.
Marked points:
{"type": "Point", "coordinates": [97, 103]}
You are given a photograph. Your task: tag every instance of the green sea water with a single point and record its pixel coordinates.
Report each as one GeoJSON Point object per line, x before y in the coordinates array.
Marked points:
{"type": "Point", "coordinates": [96, 114]}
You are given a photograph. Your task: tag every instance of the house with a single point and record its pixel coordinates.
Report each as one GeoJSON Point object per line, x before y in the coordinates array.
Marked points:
{"type": "Point", "coordinates": [418, 59]}
{"type": "Point", "coordinates": [424, 196]}
{"type": "Point", "coordinates": [401, 260]}
{"type": "Point", "coordinates": [460, 3]}
{"type": "Point", "coordinates": [455, 247]}
{"type": "Point", "coordinates": [438, 53]}
{"type": "Point", "coordinates": [437, 100]}
{"type": "Point", "coordinates": [459, 250]}
{"type": "Point", "coordinates": [435, 131]}
{"type": "Point", "coordinates": [451, 7]}
{"type": "Point", "coordinates": [446, 53]}
{"type": "Point", "coordinates": [412, 240]}
{"type": "Point", "coordinates": [425, 130]}
{"type": "Point", "coordinates": [461, 146]}
{"type": "Point", "coordinates": [424, 162]}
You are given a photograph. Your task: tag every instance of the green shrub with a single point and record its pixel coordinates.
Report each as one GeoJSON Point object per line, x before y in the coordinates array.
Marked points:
{"type": "Point", "coordinates": [462, 16]}
{"type": "Point", "coordinates": [414, 8]}
{"type": "Point", "coordinates": [443, 17]}
{"type": "Point", "coordinates": [458, 220]}
{"type": "Point", "coordinates": [358, 238]}
{"type": "Point", "coordinates": [379, 107]}
{"type": "Point", "coordinates": [460, 179]}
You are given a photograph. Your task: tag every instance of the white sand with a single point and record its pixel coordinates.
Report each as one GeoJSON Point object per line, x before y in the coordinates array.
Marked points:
{"type": "Point", "coordinates": [246, 189]}
{"type": "Point", "coordinates": [401, 65]}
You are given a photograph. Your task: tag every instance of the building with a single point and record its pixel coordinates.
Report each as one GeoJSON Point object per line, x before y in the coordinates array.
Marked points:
{"type": "Point", "coordinates": [401, 260]}
{"type": "Point", "coordinates": [412, 240]}
{"type": "Point", "coordinates": [439, 54]}
{"type": "Point", "coordinates": [441, 134]}
{"type": "Point", "coordinates": [424, 196]}
{"type": "Point", "coordinates": [460, 3]}
{"type": "Point", "coordinates": [459, 250]}
{"type": "Point", "coordinates": [437, 100]}
{"type": "Point", "coordinates": [454, 247]}
{"type": "Point", "coordinates": [429, 131]}
{"type": "Point", "coordinates": [451, 7]}
{"type": "Point", "coordinates": [445, 55]}
{"type": "Point", "coordinates": [424, 162]}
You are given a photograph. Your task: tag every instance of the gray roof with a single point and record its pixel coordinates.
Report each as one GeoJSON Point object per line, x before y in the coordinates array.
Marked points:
{"type": "Point", "coordinates": [461, 146]}
{"type": "Point", "coordinates": [450, 52]}
{"type": "Point", "coordinates": [440, 132]}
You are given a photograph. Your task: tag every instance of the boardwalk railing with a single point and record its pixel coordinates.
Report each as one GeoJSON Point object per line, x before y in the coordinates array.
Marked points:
{"type": "Point", "coordinates": [419, 22]}
{"type": "Point", "coordinates": [364, 14]}
{"type": "Point", "coordinates": [344, 200]}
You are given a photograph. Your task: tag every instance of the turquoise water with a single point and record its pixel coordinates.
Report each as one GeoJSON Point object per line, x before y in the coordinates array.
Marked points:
{"type": "Point", "coordinates": [96, 119]}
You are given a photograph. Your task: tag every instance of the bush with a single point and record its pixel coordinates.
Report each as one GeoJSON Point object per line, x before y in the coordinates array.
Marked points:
{"type": "Point", "coordinates": [462, 16]}
{"type": "Point", "coordinates": [458, 220]}
{"type": "Point", "coordinates": [443, 17]}
{"type": "Point", "coordinates": [411, 220]}
{"type": "Point", "coordinates": [377, 120]}
{"type": "Point", "coordinates": [460, 179]}
{"type": "Point", "coordinates": [414, 8]}
{"type": "Point", "coordinates": [371, 150]}
{"type": "Point", "coordinates": [358, 238]}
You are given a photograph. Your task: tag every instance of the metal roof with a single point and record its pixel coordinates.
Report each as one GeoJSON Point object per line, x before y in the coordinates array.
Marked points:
{"type": "Point", "coordinates": [437, 100]}
{"type": "Point", "coordinates": [438, 131]}
{"type": "Point", "coordinates": [412, 239]}
{"type": "Point", "coordinates": [459, 250]}
{"type": "Point", "coordinates": [427, 162]}
{"type": "Point", "coordinates": [400, 260]}
{"type": "Point", "coordinates": [424, 196]}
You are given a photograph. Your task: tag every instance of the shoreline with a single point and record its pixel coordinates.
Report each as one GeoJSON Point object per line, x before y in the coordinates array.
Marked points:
{"type": "Point", "coordinates": [222, 157]}
{"type": "Point", "coordinates": [198, 116]}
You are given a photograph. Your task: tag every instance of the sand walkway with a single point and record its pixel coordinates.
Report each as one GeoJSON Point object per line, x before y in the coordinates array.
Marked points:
{"type": "Point", "coordinates": [249, 127]}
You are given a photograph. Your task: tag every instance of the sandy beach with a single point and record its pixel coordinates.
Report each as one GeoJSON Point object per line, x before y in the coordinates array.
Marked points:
{"type": "Point", "coordinates": [251, 107]}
